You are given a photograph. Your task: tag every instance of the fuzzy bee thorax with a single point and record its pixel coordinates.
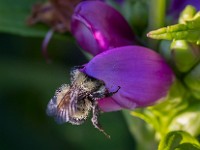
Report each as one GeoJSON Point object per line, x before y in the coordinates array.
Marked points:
{"type": "Point", "coordinates": [72, 103]}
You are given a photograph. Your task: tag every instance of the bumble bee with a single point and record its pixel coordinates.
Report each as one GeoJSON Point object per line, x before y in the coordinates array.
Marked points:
{"type": "Point", "coordinates": [72, 103]}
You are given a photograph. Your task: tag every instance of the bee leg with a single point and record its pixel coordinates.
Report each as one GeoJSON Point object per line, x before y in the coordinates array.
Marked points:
{"type": "Point", "coordinates": [95, 121]}
{"type": "Point", "coordinates": [109, 94]}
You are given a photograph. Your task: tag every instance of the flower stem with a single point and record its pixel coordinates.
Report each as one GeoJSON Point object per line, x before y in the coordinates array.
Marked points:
{"type": "Point", "coordinates": [156, 13]}
{"type": "Point", "coordinates": [157, 9]}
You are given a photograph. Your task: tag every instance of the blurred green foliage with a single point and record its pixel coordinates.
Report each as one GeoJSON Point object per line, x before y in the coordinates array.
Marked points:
{"type": "Point", "coordinates": [14, 15]}
{"type": "Point", "coordinates": [27, 83]}
{"type": "Point", "coordinates": [179, 140]}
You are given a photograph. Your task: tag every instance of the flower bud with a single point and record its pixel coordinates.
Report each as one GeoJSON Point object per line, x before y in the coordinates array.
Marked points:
{"type": "Point", "coordinates": [187, 14]}
{"type": "Point", "coordinates": [98, 27]}
{"type": "Point", "coordinates": [180, 50]}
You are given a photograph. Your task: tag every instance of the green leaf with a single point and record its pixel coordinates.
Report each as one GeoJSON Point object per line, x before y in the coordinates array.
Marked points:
{"type": "Point", "coordinates": [189, 31]}
{"type": "Point", "coordinates": [179, 140]}
{"type": "Point", "coordinates": [13, 16]}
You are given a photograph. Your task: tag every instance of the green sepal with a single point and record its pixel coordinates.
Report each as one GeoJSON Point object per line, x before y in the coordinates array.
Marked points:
{"type": "Point", "coordinates": [189, 31]}
{"type": "Point", "coordinates": [177, 140]}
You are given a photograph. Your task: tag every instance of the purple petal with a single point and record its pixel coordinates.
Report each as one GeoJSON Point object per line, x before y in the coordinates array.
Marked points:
{"type": "Point", "coordinates": [108, 104]}
{"type": "Point", "coordinates": [178, 5]}
{"type": "Point", "coordinates": [142, 74]}
{"type": "Point", "coordinates": [98, 27]}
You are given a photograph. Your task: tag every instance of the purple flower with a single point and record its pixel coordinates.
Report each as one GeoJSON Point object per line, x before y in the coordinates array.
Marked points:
{"type": "Point", "coordinates": [98, 27]}
{"type": "Point", "coordinates": [142, 74]}
{"type": "Point", "coordinates": [178, 5]}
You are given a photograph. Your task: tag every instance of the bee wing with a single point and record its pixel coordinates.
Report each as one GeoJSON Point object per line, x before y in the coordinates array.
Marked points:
{"type": "Point", "coordinates": [52, 107]}
{"type": "Point", "coordinates": [63, 109]}
{"type": "Point", "coordinates": [63, 105]}
{"type": "Point", "coordinates": [67, 106]}
{"type": "Point", "coordinates": [62, 116]}
{"type": "Point", "coordinates": [59, 105]}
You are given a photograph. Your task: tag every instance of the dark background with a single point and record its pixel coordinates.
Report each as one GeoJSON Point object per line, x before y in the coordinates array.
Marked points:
{"type": "Point", "coordinates": [27, 83]}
